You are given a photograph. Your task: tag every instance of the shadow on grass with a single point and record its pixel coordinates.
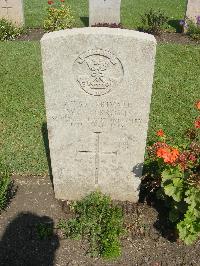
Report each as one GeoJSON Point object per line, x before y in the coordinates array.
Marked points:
{"type": "Point", "coordinates": [47, 150]}
{"type": "Point", "coordinates": [148, 193]}
{"type": "Point", "coordinates": [20, 244]}
{"type": "Point", "coordinates": [175, 23]}
{"type": "Point", "coordinates": [85, 21]}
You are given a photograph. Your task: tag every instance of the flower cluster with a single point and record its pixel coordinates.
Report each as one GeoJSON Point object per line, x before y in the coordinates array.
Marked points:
{"type": "Point", "coordinates": [160, 133]}
{"type": "Point", "coordinates": [197, 104]}
{"type": "Point", "coordinates": [172, 156]}
{"type": "Point", "coordinates": [183, 23]}
{"type": "Point", "coordinates": [184, 158]}
{"type": "Point", "coordinates": [192, 28]}
{"type": "Point", "coordinates": [169, 154]}
{"type": "Point", "coordinates": [176, 179]}
{"type": "Point", "coordinates": [59, 17]}
{"type": "Point", "coordinates": [52, 2]}
{"type": "Point", "coordinates": [197, 123]}
{"type": "Point", "coordinates": [164, 151]}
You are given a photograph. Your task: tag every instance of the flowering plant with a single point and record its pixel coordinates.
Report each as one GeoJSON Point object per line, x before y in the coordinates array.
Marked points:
{"type": "Point", "coordinates": [153, 22]}
{"type": "Point", "coordinates": [191, 28]}
{"type": "Point", "coordinates": [179, 182]}
{"type": "Point", "coordinates": [8, 31]}
{"type": "Point", "coordinates": [59, 16]}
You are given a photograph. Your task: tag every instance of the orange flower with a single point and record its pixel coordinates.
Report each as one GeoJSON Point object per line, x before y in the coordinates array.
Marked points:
{"type": "Point", "coordinates": [160, 133]}
{"type": "Point", "coordinates": [174, 154]}
{"type": "Point", "coordinates": [197, 123]}
{"type": "Point", "coordinates": [50, 2]}
{"type": "Point", "coordinates": [169, 155]}
{"type": "Point", "coordinates": [62, 1]}
{"type": "Point", "coordinates": [162, 152]}
{"type": "Point", "coordinates": [198, 104]}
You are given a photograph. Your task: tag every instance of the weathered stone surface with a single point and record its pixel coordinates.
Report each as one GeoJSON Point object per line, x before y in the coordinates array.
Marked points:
{"type": "Point", "coordinates": [104, 11]}
{"type": "Point", "coordinates": [12, 10]}
{"type": "Point", "coordinates": [98, 84]}
{"type": "Point", "coordinates": [193, 10]}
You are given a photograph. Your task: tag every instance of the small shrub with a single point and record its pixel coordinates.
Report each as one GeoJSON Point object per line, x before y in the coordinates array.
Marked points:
{"type": "Point", "coordinates": [100, 222]}
{"type": "Point", "coordinates": [179, 169]}
{"type": "Point", "coordinates": [153, 22]}
{"type": "Point", "coordinates": [5, 185]}
{"type": "Point", "coordinates": [8, 31]}
{"type": "Point", "coordinates": [59, 17]}
{"type": "Point", "coordinates": [190, 28]}
{"type": "Point", "coordinates": [193, 30]}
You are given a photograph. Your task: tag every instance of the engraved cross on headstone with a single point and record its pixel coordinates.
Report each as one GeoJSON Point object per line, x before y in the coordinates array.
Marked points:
{"type": "Point", "coordinates": [7, 7]}
{"type": "Point", "coordinates": [97, 155]}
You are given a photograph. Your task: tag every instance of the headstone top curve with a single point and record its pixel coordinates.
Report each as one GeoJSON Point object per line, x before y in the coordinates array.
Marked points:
{"type": "Point", "coordinates": [99, 31]}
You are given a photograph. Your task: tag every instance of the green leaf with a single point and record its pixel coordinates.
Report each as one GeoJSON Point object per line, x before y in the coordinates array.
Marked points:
{"type": "Point", "coordinates": [169, 189]}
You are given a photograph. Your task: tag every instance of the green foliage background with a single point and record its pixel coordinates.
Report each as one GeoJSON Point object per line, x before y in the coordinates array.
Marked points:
{"type": "Point", "coordinates": [35, 11]}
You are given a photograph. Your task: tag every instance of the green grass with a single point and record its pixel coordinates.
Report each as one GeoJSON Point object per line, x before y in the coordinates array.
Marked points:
{"type": "Point", "coordinates": [22, 111]}
{"type": "Point", "coordinates": [176, 88]}
{"type": "Point", "coordinates": [130, 11]}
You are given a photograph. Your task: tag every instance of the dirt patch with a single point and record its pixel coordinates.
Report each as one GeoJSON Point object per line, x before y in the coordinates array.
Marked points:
{"type": "Point", "coordinates": [34, 203]}
{"type": "Point", "coordinates": [166, 37]}
{"type": "Point", "coordinates": [180, 38]}
{"type": "Point", "coordinates": [31, 35]}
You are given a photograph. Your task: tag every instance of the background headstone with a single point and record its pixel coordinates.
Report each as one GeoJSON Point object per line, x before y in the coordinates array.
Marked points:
{"type": "Point", "coordinates": [98, 84]}
{"type": "Point", "coordinates": [193, 10]}
{"type": "Point", "coordinates": [104, 11]}
{"type": "Point", "coordinates": [12, 10]}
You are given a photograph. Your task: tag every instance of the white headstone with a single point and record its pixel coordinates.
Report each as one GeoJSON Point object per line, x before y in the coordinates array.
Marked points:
{"type": "Point", "coordinates": [193, 10]}
{"type": "Point", "coordinates": [104, 11]}
{"type": "Point", "coordinates": [98, 84]}
{"type": "Point", "coordinates": [13, 11]}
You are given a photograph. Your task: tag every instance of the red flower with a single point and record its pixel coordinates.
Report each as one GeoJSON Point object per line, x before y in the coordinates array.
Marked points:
{"type": "Point", "coordinates": [62, 1]}
{"type": "Point", "coordinates": [198, 104]}
{"type": "Point", "coordinates": [160, 133]}
{"type": "Point", "coordinates": [192, 158]}
{"type": "Point", "coordinates": [50, 2]}
{"type": "Point", "coordinates": [197, 123]}
{"type": "Point", "coordinates": [186, 158]}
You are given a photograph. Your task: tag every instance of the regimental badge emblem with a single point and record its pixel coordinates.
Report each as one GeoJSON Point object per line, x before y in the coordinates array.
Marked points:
{"type": "Point", "coordinates": [98, 71]}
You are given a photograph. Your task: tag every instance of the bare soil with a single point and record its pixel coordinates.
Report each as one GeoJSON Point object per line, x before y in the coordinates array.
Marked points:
{"type": "Point", "coordinates": [166, 37]}
{"type": "Point", "coordinates": [146, 243]}
{"type": "Point", "coordinates": [180, 38]}
{"type": "Point", "coordinates": [31, 35]}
